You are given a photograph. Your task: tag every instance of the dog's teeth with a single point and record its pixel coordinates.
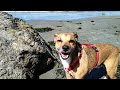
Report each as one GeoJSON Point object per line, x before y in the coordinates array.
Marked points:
{"type": "Point", "coordinates": [64, 56]}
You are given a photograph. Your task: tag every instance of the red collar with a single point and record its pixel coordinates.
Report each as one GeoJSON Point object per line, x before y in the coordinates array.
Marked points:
{"type": "Point", "coordinates": [97, 54]}
{"type": "Point", "coordinates": [74, 64]}
{"type": "Point", "coordinates": [78, 59]}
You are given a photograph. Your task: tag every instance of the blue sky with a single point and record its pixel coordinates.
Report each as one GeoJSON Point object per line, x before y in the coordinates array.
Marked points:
{"type": "Point", "coordinates": [60, 15]}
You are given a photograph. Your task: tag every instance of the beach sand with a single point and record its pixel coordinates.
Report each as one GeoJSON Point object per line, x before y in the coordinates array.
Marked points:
{"type": "Point", "coordinates": [104, 29]}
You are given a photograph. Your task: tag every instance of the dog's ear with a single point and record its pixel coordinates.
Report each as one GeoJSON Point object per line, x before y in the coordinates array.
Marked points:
{"type": "Point", "coordinates": [75, 35]}
{"type": "Point", "coordinates": [55, 37]}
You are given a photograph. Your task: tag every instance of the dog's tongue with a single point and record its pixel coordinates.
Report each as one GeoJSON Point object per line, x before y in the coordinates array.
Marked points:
{"type": "Point", "coordinates": [64, 55]}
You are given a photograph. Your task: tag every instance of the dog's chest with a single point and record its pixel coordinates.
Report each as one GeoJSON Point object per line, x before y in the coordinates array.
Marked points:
{"type": "Point", "coordinates": [65, 63]}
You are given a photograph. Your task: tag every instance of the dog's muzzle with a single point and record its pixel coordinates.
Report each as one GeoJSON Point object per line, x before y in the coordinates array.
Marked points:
{"type": "Point", "coordinates": [65, 52]}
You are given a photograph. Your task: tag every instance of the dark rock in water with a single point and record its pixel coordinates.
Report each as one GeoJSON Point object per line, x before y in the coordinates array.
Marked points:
{"type": "Point", "coordinates": [79, 28]}
{"type": "Point", "coordinates": [92, 21]}
{"type": "Point", "coordinates": [78, 23]}
{"type": "Point", "coordinates": [58, 26]}
{"type": "Point", "coordinates": [24, 54]}
{"type": "Point", "coordinates": [47, 29]}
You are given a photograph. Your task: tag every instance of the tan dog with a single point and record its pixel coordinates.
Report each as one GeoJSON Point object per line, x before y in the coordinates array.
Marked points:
{"type": "Point", "coordinates": [83, 58]}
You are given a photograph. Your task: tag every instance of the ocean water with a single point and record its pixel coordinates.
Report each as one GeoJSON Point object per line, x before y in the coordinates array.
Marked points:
{"type": "Point", "coordinates": [60, 15]}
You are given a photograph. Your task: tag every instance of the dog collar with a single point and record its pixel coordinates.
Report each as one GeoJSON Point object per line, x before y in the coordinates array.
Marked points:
{"type": "Point", "coordinates": [97, 54]}
{"type": "Point", "coordinates": [73, 65]}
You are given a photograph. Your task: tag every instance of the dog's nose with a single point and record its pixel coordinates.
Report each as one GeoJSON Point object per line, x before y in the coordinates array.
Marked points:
{"type": "Point", "coordinates": [65, 47]}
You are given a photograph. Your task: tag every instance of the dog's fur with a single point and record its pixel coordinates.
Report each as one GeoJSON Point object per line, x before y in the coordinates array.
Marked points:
{"type": "Point", "coordinates": [69, 49]}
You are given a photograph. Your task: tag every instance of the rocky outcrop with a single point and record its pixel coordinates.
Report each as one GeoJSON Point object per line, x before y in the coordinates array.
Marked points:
{"type": "Point", "coordinates": [24, 54]}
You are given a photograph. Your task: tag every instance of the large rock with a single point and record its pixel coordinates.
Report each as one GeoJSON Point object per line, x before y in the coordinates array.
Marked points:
{"type": "Point", "coordinates": [24, 54]}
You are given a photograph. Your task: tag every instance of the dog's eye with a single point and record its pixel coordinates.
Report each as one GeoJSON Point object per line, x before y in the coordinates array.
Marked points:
{"type": "Point", "coordinates": [72, 41]}
{"type": "Point", "coordinates": [59, 40]}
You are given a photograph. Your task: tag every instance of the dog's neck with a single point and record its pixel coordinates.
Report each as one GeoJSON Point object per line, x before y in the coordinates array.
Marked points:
{"type": "Point", "coordinates": [65, 63]}
{"type": "Point", "coordinates": [74, 55]}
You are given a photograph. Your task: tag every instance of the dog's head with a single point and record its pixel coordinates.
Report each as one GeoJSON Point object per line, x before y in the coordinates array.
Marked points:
{"type": "Point", "coordinates": [65, 44]}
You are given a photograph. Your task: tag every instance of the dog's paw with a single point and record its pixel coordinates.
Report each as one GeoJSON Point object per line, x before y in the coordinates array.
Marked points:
{"type": "Point", "coordinates": [104, 77]}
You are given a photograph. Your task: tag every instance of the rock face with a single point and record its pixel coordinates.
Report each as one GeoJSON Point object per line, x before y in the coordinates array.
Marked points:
{"type": "Point", "coordinates": [23, 52]}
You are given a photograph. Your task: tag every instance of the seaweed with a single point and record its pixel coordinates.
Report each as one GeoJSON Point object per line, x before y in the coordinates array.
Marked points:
{"type": "Point", "coordinates": [43, 29]}
{"type": "Point", "coordinates": [51, 43]}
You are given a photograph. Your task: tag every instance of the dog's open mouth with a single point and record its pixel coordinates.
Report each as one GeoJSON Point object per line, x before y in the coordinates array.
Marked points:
{"type": "Point", "coordinates": [64, 55]}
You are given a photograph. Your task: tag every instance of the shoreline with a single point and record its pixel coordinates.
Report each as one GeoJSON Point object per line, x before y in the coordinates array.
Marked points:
{"type": "Point", "coordinates": [92, 30]}
{"type": "Point", "coordinates": [59, 15]}
{"type": "Point", "coordinates": [117, 16]}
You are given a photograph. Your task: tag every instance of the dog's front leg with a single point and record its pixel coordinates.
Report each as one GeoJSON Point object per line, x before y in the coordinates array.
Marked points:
{"type": "Point", "coordinates": [77, 76]}
{"type": "Point", "coordinates": [68, 76]}
{"type": "Point", "coordinates": [81, 74]}
{"type": "Point", "coordinates": [83, 68]}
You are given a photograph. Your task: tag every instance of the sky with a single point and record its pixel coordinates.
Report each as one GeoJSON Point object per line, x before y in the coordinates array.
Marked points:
{"type": "Point", "coordinates": [60, 15]}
